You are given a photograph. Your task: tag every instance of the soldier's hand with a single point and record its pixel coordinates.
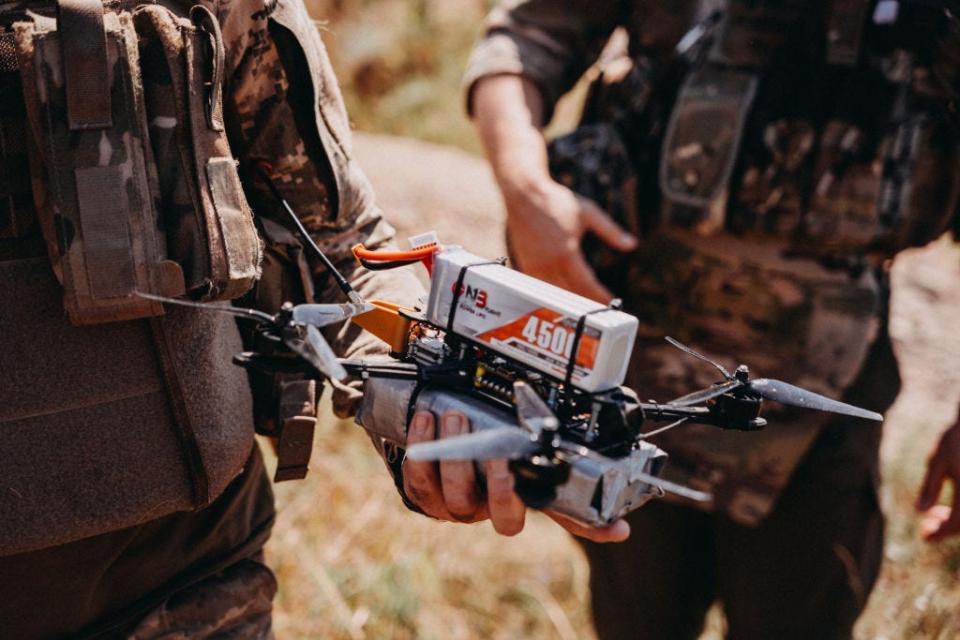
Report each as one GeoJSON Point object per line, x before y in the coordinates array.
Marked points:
{"type": "Point", "coordinates": [546, 222]}
{"type": "Point", "coordinates": [940, 521]}
{"type": "Point", "coordinates": [449, 490]}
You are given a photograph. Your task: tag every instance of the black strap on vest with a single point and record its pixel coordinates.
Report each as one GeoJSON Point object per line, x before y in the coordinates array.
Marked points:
{"type": "Point", "coordinates": [83, 45]}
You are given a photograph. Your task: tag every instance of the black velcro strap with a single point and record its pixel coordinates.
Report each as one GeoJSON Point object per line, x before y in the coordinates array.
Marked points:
{"type": "Point", "coordinates": [83, 45]}
{"type": "Point", "coordinates": [615, 305]}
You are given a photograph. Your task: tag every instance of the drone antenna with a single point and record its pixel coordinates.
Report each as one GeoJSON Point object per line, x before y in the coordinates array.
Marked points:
{"type": "Point", "coordinates": [699, 356]}
{"type": "Point", "coordinates": [251, 314]}
{"type": "Point", "coordinates": [656, 432]}
{"type": "Point", "coordinates": [263, 169]}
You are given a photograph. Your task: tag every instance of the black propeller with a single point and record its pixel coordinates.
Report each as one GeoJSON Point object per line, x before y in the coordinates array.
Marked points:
{"type": "Point", "coordinates": [299, 327]}
{"type": "Point", "coordinates": [768, 389]}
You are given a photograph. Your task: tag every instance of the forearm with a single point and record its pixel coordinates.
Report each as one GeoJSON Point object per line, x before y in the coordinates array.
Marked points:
{"type": "Point", "coordinates": [545, 220]}
{"type": "Point", "coordinates": [508, 113]}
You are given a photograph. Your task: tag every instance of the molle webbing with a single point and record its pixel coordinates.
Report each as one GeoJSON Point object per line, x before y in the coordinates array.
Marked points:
{"type": "Point", "coordinates": [8, 53]}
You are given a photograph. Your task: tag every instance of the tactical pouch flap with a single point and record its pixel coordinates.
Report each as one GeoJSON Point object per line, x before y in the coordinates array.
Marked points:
{"type": "Point", "coordinates": [126, 206]}
{"type": "Point", "coordinates": [209, 224]}
{"type": "Point", "coordinates": [93, 188]}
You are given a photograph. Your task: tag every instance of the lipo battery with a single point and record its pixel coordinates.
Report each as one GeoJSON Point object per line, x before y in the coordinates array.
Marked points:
{"type": "Point", "coordinates": [531, 321]}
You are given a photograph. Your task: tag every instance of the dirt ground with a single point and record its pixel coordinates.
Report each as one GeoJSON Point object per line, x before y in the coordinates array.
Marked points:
{"type": "Point", "coordinates": [354, 564]}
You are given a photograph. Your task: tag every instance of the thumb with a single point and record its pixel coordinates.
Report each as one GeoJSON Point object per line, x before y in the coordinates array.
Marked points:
{"type": "Point", "coordinates": [932, 484]}
{"type": "Point", "coordinates": [602, 225]}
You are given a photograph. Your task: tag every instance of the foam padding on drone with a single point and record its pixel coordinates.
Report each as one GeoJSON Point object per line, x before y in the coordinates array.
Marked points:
{"type": "Point", "coordinates": [386, 322]}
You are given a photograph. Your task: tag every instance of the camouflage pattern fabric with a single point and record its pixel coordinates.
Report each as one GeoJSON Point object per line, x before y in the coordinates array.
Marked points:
{"type": "Point", "coordinates": [282, 106]}
{"type": "Point", "coordinates": [87, 182]}
{"type": "Point", "coordinates": [235, 604]}
{"type": "Point", "coordinates": [783, 268]}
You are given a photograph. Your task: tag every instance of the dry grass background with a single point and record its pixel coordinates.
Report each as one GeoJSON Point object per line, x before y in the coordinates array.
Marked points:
{"type": "Point", "coordinates": [353, 563]}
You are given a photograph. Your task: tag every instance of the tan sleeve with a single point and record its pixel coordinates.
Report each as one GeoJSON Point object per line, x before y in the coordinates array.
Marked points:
{"type": "Point", "coordinates": [551, 42]}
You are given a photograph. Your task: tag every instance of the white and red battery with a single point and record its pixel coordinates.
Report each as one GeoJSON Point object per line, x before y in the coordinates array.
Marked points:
{"type": "Point", "coordinates": [529, 320]}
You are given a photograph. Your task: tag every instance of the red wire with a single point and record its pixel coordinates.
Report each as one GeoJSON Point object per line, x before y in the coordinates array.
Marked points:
{"type": "Point", "coordinates": [423, 254]}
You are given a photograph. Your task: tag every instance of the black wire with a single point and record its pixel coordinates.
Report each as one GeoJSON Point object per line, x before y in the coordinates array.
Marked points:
{"type": "Point", "coordinates": [383, 266]}
{"type": "Point", "coordinates": [337, 276]}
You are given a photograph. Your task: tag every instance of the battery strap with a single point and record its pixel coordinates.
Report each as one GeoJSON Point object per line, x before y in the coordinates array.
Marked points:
{"type": "Point", "coordinates": [86, 70]}
{"type": "Point", "coordinates": [615, 305]}
{"type": "Point", "coordinates": [458, 290]}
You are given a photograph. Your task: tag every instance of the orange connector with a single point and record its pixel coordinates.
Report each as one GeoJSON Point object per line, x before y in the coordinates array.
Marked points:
{"type": "Point", "coordinates": [386, 322]}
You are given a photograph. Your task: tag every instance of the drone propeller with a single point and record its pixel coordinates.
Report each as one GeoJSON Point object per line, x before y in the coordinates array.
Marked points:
{"type": "Point", "coordinates": [699, 356]}
{"type": "Point", "coordinates": [250, 314]}
{"type": "Point", "coordinates": [507, 443]}
{"type": "Point", "coordinates": [789, 394]}
{"type": "Point", "coordinates": [672, 487]}
{"type": "Point", "coordinates": [299, 324]}
{"type": "Point", "coordinates": [699, 397]}
{"type": "Point", "coordinates": [536, 435]}
{"type": "Point", "coordinates": [307, 342]}
{"type": "Point", "coordinates": [532, 412]}
{"type": "Point", "coordinates": [322, 315]}
{"type": "Point", "coordinates": [768, 389]}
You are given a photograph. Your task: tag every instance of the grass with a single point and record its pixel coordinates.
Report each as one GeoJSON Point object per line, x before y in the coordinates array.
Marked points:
{"type": "Point", "coordinates": [353, 563]}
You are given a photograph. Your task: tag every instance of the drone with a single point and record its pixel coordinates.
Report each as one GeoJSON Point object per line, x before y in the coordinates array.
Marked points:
{"type": "Point", "coordinates": [536, 370]}
{"type": "Point", "coordinates": [584, 453]}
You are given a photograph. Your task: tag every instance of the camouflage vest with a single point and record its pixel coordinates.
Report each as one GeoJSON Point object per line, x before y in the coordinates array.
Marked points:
{"type": "Point", "coordinates": [115, 177]}
{"type": "Point", "coordinates": [773, 157]}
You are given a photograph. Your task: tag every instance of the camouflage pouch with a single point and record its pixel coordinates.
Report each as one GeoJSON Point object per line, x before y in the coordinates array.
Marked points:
{"type": "Point", "coordinates": [91, 177]}
{"type": "Point", "coordinates": [110, 224]}
{"type": "Point", "coordinates": [209, 225]}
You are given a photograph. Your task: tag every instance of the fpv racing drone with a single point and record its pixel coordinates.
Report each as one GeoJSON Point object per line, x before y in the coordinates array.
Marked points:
{"type": "Point", "coordinates": [537, 371]}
